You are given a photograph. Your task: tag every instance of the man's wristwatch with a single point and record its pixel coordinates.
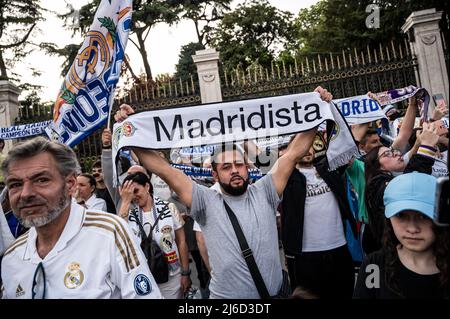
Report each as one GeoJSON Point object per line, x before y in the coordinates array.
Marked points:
{"type": "Point", "coordinates": [185, 272]}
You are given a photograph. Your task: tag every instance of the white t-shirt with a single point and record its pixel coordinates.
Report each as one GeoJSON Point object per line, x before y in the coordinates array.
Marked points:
{"type": "Point", "coordinates": [439, 168]}
{"type": "Point", "coordinates": [440, 165]}
{"type": "Point", "coordinates": [95, 257]}
{"type": "Point", "coordinates": [163, 233]}
{"type": "Point", "coordinates": [322, 228]}
{"type": "Point", "coordinates": [160, 188]}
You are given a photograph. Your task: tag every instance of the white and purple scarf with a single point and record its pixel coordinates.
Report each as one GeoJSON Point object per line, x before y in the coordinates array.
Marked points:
{"type": "Point", "coordinates": [236, 121]}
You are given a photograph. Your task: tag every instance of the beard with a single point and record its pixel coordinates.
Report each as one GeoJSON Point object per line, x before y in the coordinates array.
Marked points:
{"type": "Point", "coordinates": [235, 191]}
{"type": "Point", "coordinates": [53, 213]}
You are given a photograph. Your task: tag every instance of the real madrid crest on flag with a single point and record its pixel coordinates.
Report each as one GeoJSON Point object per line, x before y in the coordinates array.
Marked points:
{"type": "Point", "coordinates": [86, 95]}
{"type": "Point", "coordinates": [74, 276]}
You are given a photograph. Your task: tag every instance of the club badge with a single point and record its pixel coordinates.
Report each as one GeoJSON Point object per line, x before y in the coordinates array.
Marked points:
{"type": "Point", "coordinates": [142, 285]}
{"type": "Point", "coordinates": [74, 277]}
{"type": "Point", "coordinates": [128, 129]}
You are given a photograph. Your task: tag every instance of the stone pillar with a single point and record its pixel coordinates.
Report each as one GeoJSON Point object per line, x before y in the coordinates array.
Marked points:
{"type": "Point", "coordinates": [9, 108]}
{"type": "Point", "coordinates": [208, 75]}
{"type": "Point", "coordinates": [426, 43]}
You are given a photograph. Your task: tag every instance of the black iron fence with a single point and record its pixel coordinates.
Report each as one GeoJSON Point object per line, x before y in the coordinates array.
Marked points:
{"type": "Point", "coordinates": [346, 74]}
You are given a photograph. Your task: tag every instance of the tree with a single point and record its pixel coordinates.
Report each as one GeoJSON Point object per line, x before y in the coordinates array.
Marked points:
{"type": "Point", "coordinates": [146, 14]}
{"type": "Point", "coordinates": [33, 109]}
{"type": "Point", "coordinates": [204, 12]}
{"type": "Point", "coordinates": [336, 25]}
{"type": "Point", "coordinates": [18, 19]}
{"type": "Point", "coordinates": [185, 66]}
{"type": "Point", "coordinates": [69, 51]}
{"type": "Point", "coordinates": [252, 33]}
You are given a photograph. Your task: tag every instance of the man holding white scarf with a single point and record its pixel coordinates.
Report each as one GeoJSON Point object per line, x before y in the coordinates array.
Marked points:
{"type": "Point", "coordinates": [254, 205]}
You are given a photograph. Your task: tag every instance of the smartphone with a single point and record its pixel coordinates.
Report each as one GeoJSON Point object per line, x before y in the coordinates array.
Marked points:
{"type": "Point", "coordinates": [439, 99]}
{"type": "Point", "coordinates": [442, 209]}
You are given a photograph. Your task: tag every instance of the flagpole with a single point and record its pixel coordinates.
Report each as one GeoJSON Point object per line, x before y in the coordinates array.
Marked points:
{"type": "Point", "coordinates": [108, 125]}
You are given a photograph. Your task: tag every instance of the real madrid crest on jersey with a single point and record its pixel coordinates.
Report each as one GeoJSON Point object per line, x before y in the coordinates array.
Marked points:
{"type": "Point", "coordinates": [74, 277]}
{"type": "Point", "coordinates": [166, 238]}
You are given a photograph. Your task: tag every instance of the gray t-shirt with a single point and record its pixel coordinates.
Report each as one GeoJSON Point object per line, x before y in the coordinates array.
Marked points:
{"type": "Point", "coordinates": [255, 211]}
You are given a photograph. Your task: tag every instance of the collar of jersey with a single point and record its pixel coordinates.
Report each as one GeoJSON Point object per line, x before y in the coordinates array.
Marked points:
{"type": "Point", "coordinates": [72, 227]}
{"type": "Point", "coordinates": [91, 199]}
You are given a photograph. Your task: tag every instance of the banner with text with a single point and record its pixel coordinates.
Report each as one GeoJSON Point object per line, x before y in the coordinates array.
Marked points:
{"type": "Point", "coordinates": [85, 98]}
{"type": "Point", "coordinates": [396, 95]}
{"type": "Point", "coordinates": [22, 131]}
{"type": "Point", "coordinates": [235, 121]}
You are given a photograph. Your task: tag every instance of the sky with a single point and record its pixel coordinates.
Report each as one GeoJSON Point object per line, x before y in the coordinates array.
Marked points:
{"type": "Point", "coordinates": [163, 44]}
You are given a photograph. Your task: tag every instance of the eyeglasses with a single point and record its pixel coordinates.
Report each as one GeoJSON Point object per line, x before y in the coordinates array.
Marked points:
{"type": "Point", "coordinates": [39, 270]}
{"type": "Point", "coordinates": [390, 153]}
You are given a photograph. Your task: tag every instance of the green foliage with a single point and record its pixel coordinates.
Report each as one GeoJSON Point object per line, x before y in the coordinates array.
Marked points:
{"type": "Point", "coordinates": [146, 14]}
{"type": "Point", "coordinates": [68, 96]}
{"type": "Point", "coordinates": [186, 66]}
{"type": "Point", "coordinates": [336, 25]}
{"type": "Point", "coordinates": [18, 18]}
{"type": "Point", "coordinates": [252, 33]}
{"type": "Point", "coordinates": [69, 52]}
{"type": "Point", "coordinates": [108, 23]}
{"type": "Point", "coordinates": [33, 109]}
{"type": "Point", "coordinates": [204, 12]}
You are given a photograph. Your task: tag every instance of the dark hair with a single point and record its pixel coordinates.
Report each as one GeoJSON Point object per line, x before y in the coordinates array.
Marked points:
{"type": "Point", "coordinates": [374, 198]}
{"type": "Point", "coordinates": [372, 165]}
{"type": "Point", "coordinates": [125, 163]}
{"type": "Point", "coordinates": [90, 178]}
{"type": "Point", "coordinates": [369, 132]}
{"type": "Point", "coordinates": [283, 147]}
{"type": "Point", "coordinates": [440, 251]}
{"type": "Point", "coordinates": [139, 178]}
{"type": "Point", "coordinates": [97, 163]}
{"type": "Point", "coordinates": [224, 148]}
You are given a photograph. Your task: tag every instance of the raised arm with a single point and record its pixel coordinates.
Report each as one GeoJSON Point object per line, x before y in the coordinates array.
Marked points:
{"type": "Point", "coordinates": [285, 164]}
{"type": "Point", "coordinates": [401, 141]}
{"type": "Point", "coordinates": [175, 178]}
{"type": "Point", "coordinates": [296, 150]}
{"type": "Point", "coordinates": [152, 161]}
{"type": "Point", "coordinates": [107, 166]}
{"type": "Point", "coordinates": [359, 130]}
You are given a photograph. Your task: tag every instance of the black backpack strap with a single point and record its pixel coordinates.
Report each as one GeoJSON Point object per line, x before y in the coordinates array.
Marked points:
{"type": "Point", "coordinates": [156, 222]}
{"type": "Point", "coordinates": [141, 228]}
{"type": "Point", "coordinates": [248, 254]}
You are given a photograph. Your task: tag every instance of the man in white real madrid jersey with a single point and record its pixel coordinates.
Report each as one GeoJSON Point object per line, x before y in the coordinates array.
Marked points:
{"type": "Point", "coordinates": [69, 252]}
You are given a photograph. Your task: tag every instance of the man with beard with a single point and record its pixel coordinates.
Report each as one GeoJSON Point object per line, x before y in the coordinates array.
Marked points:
{"type": "Point", "coordinates": [315, 211]}
{"type": "Point", "coordinates": [100, 188]}
{"type": "Point", "coordinates": [69, 251]}
{"type": "Point", "coordinates": [254, 206]}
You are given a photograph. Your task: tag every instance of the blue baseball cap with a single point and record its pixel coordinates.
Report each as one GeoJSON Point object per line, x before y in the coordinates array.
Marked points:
{"type": "Point", "coordinates": [411, 191]}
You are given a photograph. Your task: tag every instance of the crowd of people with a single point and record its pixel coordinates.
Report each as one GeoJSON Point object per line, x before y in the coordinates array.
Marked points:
{"type": "Point", "coordinates": [365, 230]}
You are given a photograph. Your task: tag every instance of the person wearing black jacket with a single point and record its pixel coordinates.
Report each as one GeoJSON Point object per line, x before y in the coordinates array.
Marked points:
{"type": "Point", "coordinates": [381, 165]}
{"type": "Point", "coordinates": [413, 262]}
{"type": "Point", "coordinates": [314, 211]}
